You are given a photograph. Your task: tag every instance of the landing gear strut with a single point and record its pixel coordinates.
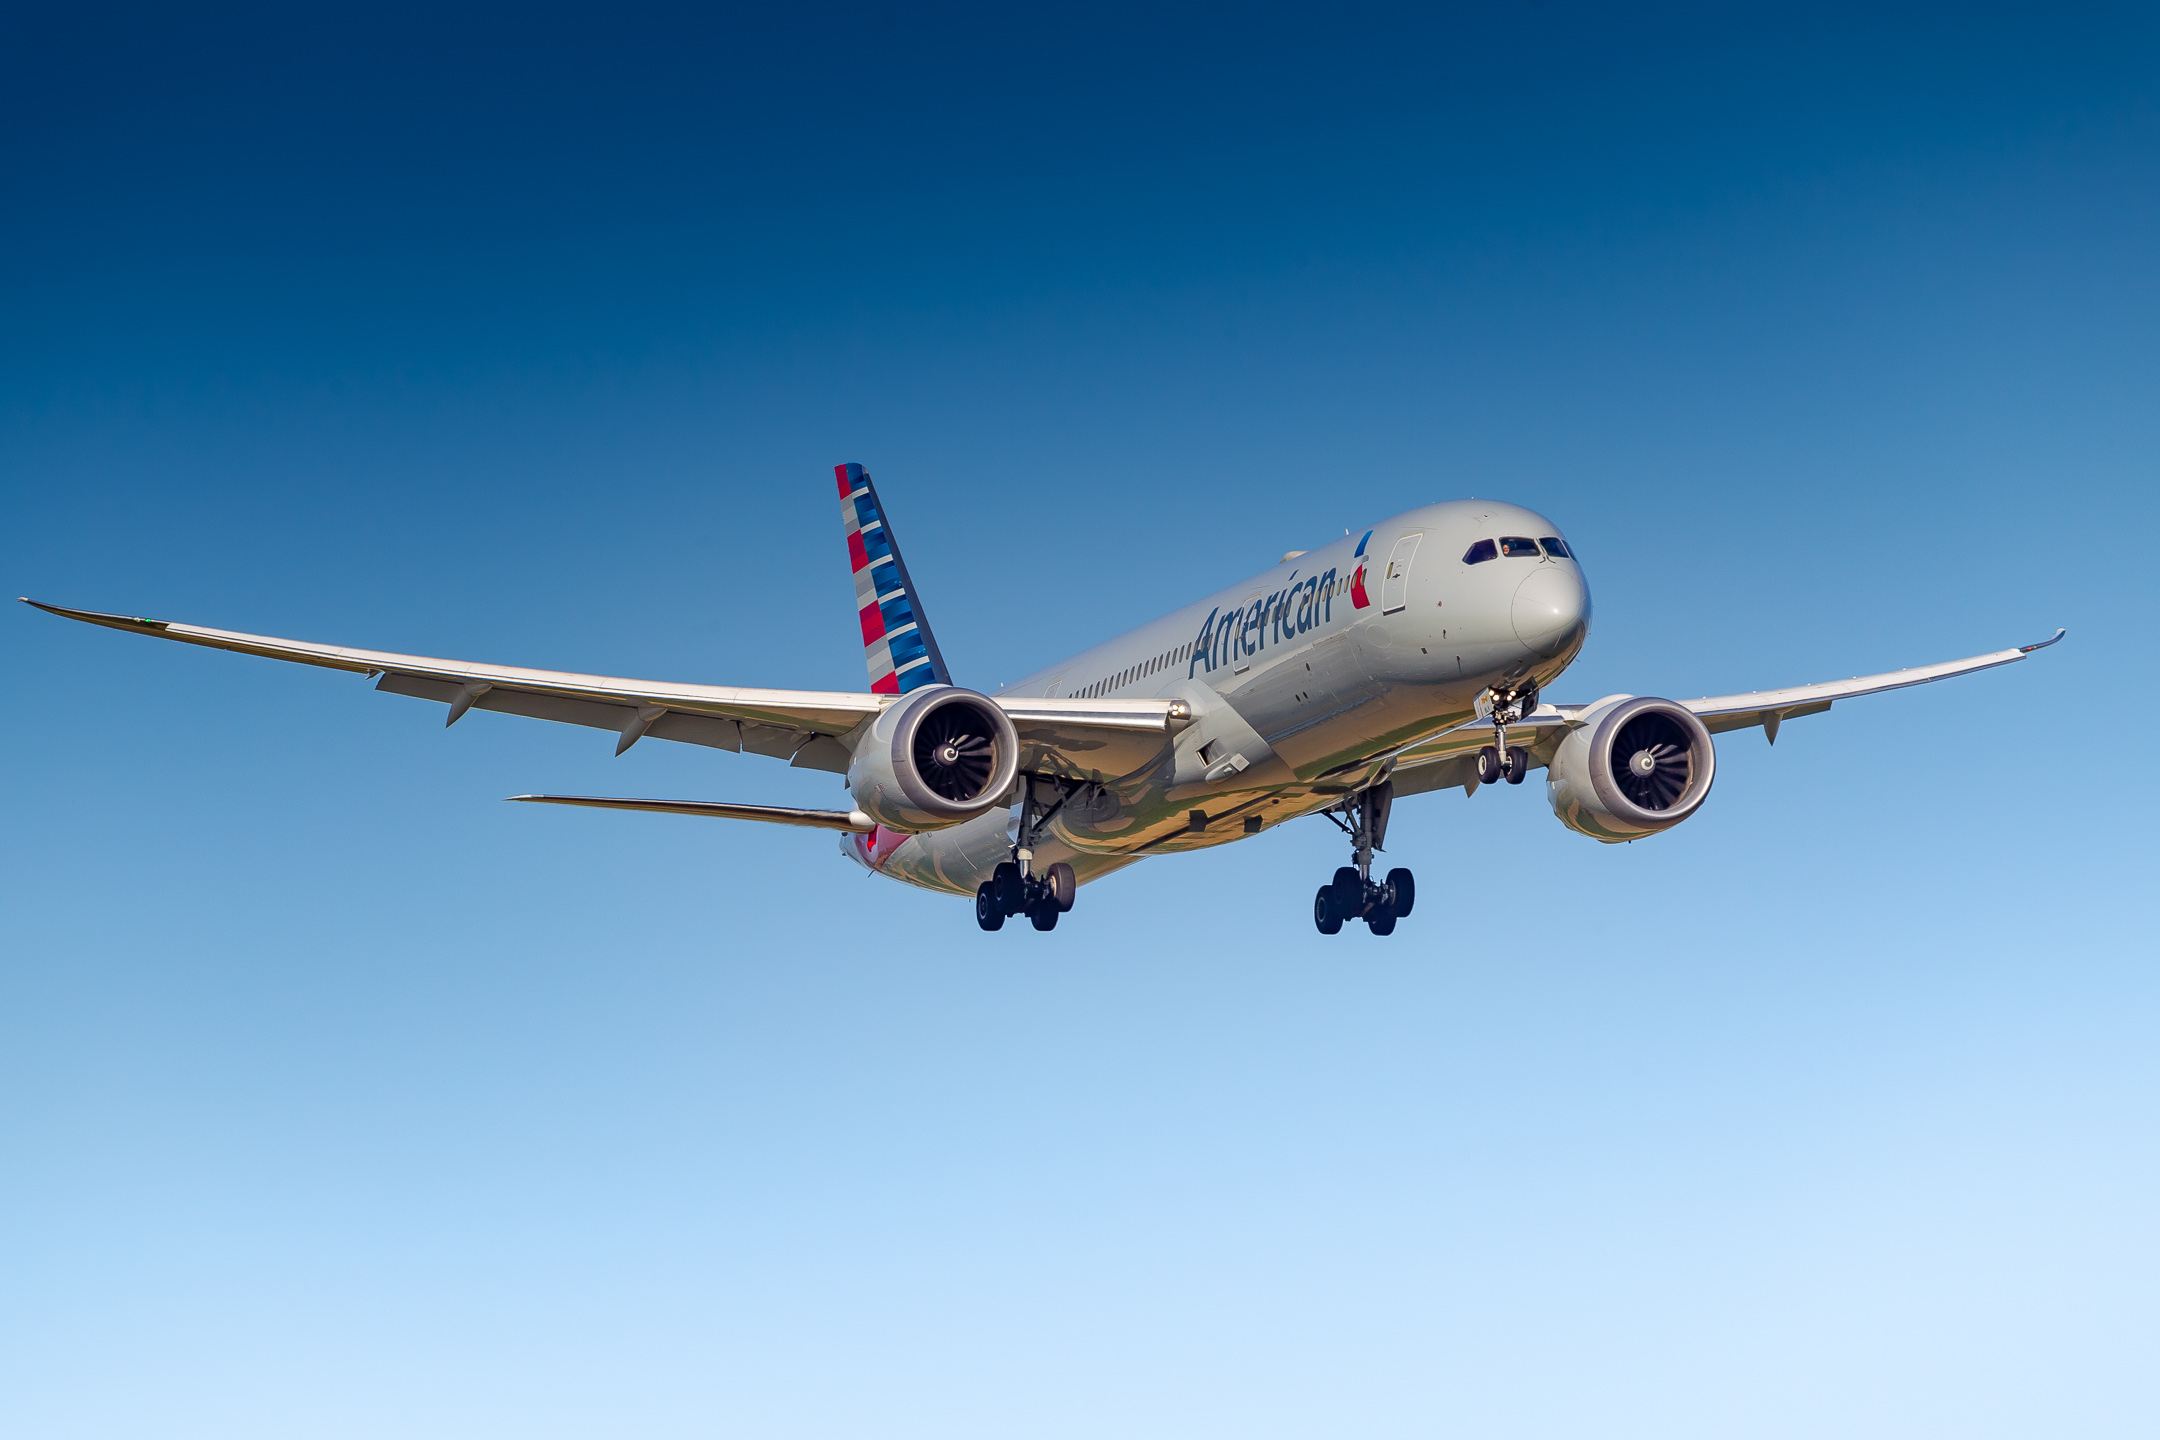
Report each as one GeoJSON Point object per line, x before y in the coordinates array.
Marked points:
{"type": "Point", "coordinates": [1014, 888]}
{"type": "Point", "coordinates": [1353, 894]}
{"type": "Point", "coordinates": [1500, 760]}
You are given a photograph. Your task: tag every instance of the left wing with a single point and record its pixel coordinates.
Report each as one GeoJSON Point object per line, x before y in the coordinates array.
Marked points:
{"type": "Point", "coordinates": [1771, 708]}
{"type": "Point", "coordinates": [1450, 758]}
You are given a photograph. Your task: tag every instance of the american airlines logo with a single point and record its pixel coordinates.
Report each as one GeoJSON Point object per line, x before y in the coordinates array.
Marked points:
{"type": "Point", "coordinates": [1271, 619]}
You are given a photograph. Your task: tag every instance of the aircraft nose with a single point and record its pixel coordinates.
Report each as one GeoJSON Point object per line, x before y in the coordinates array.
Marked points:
{"type": "Point", "coordinates": [1551, 608]}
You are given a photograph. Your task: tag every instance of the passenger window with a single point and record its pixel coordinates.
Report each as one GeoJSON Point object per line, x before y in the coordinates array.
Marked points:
{"type": "Point", "coordinates": [1479, 553]}
{"type": "Point", "coordinates": [1516, 546]}
{"type": "Point", "coordinates": [1554, 548]}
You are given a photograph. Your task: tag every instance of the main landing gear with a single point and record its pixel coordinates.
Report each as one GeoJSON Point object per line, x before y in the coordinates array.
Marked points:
{"type": "Point", "coordinates": [1500, 760]}
{"type": "Point", "coordinates": [1013, 887]}
{"type": "Point", "coordinates": [1353, 894]}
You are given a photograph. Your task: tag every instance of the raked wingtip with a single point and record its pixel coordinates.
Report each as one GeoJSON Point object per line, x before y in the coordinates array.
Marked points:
{"type": "Point", "coordinates": [2028, 649]}
{"type": "Point", "coordinates": [97, 617]}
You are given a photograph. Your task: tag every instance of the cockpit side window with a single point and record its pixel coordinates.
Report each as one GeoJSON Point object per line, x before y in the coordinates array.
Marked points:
{"type": "Point", "coordinates": [1516, 545]}
{"type": "Point", "coordinates": [1555, 548]}
{"type": "Point", "coordinates": [1479, 553]}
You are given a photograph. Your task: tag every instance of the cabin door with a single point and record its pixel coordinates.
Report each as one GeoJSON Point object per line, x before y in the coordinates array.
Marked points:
{"type": "Point", "coordinates": [1395, 585]}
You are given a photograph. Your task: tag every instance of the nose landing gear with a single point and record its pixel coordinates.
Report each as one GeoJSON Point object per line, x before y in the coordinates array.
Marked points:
{"type": "Point", "coordinates": [1353, 894]}
{"type": "Point", "coordinates": [1495, 764]}
{"type": "Point", "coordinates": [1500, 760]}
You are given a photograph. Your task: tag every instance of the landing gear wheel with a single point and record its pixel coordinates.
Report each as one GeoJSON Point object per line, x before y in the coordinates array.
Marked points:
{"type": "Point", "coordinates": [1518, 764]}
{"type": "Point", "coordinates": [1005, 883]}
{"type": "Point", "coordinates": [1323, 912]}
{"type": "Point", "coordinates": [1381, 923]}
{"type": "Point", "coordinates": [988, 913]}
{"type": "Point", "coordinates": [1063, 885]}
{"type": "Point", "coordinates": [1349, 888]}
{"type": "Point", "coordinates": [1488, 766]}
{"type": "Point", "coordinates": [1402, 893]}
{"type": "Point", "coordinates": [1044, 914]}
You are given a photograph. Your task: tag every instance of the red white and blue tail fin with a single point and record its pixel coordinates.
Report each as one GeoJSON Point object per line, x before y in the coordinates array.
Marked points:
{"type": "Point", "coordinates": [897, 643]}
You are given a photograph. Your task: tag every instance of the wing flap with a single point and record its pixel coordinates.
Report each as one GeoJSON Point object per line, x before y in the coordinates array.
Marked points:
{"type": "Point", "coordinates": [1144, 717]}
{"type": "Point", "coordinates": [1097, 738]}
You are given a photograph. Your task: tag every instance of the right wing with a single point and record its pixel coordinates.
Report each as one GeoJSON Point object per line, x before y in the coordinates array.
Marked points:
{"type": "Point", "coordinates": [803, 727]}
{"type": "Point", "coordinates": [800, 726]}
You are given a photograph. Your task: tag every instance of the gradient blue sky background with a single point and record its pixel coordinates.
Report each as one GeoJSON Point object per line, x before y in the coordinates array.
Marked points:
{"type": "Point", "coordinates": [338, 1098]}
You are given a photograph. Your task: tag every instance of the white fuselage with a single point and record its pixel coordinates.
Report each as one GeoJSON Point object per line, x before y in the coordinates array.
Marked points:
{"type": "Point", "coordinates": [1302, 680]}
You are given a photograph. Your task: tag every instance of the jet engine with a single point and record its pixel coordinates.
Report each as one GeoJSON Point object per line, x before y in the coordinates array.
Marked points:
{"type": "Point", "coordinates": [941, 756]}
{"type": "Point", "coordinates": [1638, 766]}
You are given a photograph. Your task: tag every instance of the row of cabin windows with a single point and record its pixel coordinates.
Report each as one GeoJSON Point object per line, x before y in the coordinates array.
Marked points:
{"type": "Point", "coordinates": [1512, 545]}
{"type": "Point", "coordinates": [1517, 546]}
{"type": "Point", "coordinates": [1184, 652]}
{"type": "Point", "coordinates": [1136, 672]}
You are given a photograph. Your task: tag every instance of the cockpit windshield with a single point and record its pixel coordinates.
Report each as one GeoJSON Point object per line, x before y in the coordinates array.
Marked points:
{"type": "Point", "coordinates": [1517, 546]}
{"type": "Point", "coordinates": [1555, 548]}
{"type": "Point", "coordinates": [1479, 553]}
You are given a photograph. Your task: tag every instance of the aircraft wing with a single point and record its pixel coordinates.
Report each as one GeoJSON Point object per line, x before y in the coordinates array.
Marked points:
{"type": "Point", "coordinates": [802, 727]}
{"type": "Point", "coordinates": [1770, 708]}
{"type": "Point", "coordinates": [1450, 757]}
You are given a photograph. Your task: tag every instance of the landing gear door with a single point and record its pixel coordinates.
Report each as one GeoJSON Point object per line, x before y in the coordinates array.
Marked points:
{"type": "Point", "coordinates": [1395, 585]}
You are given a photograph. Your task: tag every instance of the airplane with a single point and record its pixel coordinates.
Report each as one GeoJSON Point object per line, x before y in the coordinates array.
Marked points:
{"type": "Point", "coordinates": [1408, 657]}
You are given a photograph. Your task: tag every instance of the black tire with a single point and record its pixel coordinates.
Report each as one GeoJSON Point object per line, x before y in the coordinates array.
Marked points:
{"type": "Point", "coordinates": [1005, 884]}
{"type": "Point", "coordinates": [1324, 917]}
{"type": "Point", "coordinates": [1518, 764]}
{"type": "Point", "coordinates": [988, 913]}
{"type": "Point", "coordinates": [1064, 885]}
{"type": "Point", "coordinates": [1488, 766]}
{"type": "Point", "coordinates": [1044, 914]}
{"type": "Point", "coordinates": [1402, 892]}
{"type": "Point", "coordinates": [1381, 924]}
{"type": "Point", "coordinates": [1349, 888]}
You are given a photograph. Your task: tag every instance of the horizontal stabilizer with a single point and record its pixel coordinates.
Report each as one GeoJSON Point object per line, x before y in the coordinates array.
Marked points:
{"type": "Point", "coordinates": [853, 821]}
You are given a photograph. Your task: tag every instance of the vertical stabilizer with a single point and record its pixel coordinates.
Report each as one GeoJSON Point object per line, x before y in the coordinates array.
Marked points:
{"type": "Point", "coordinates": [897, 643]}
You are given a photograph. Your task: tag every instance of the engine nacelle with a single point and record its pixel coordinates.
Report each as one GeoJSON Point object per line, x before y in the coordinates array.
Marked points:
{"type": "Point", "coordinates": [1640, 765]}
{"type": "Point", "coordinates": [939, 757]}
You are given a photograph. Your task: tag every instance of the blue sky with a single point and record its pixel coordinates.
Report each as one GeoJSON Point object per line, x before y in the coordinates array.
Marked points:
{"type": "Point", "coordinates": [338, 1098]}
